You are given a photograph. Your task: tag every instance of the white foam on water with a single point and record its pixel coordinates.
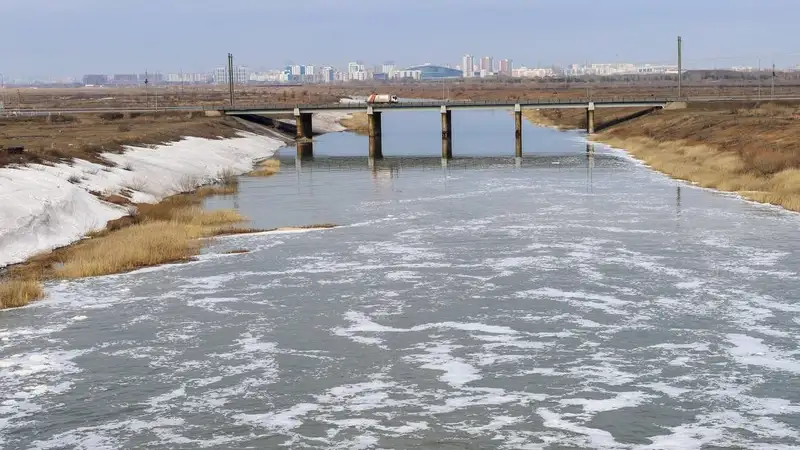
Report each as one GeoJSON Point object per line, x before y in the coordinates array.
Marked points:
{"type": "Point", "coordinates": [690, 285]}
{"type": "Point", "coordinates": [665, 388]}
{"type": "Point", "coordinates": [361, 323]}
{"type": "Point", "coordinates": [607, 303]}
{"type": "Point", "coordinates": [751, 351]}
{"type": "Point", "coordinates": [100, 436]}
{"type": "Point", "coordinates": [457, 372]}
{"type": "Point", "coordinates": [722, 429]}
{"type": "Point", "coordinates": [213, 304]}
{"type": "Point", "coordinates": [619, 401]}
{"type": "Point", "coordinates": [588, 437]}
{"type": "Point", "coordinates": [279, 421]}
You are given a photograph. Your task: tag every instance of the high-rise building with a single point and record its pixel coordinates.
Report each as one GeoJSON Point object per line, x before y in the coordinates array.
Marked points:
{"type": "Point", "coordinates": [328, 74]}
{"type": "Point", "coordinates": [487, 64]}
{"type": "Point", "coordinates": [388, 68]}
{"type": "Point", "coordinates": [95, 80]}
{"type": "Point", "coordinates": [467, 63]}
{"type": "Point", "coordinates": [354, 67]}
{"type": "Point", "coordinates": [505, 67]}
{"type": "Point", "coordinates": [240, 75]}
{"type": "Point", "coordinates": [220, 75]}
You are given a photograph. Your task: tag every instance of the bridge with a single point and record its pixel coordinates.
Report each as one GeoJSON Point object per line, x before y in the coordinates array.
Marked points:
{"type": "Point", "coordinates": [303, 114]}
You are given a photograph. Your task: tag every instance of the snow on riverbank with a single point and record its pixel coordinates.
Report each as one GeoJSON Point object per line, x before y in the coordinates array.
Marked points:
{"type": "Point", "coordinates": [43, 207]}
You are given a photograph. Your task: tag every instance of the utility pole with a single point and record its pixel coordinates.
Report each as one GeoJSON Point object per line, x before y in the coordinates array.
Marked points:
{"type": "Point", "coordinates": [230, 76]}
{"type": "Point", "coordinates": [772, 90]}
{"type": "Point", "coordinates": [759, 78]}
{"type": "Point", "coordinates": [146, 92]}
{"type": "Point", "coordinates": [680, 65]}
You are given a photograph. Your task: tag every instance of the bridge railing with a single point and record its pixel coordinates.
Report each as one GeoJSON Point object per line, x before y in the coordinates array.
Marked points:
{"type": "Point", "coordinates": [438, 103]}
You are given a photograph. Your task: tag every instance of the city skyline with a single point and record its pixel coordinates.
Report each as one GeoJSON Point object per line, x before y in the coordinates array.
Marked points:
{"type": "Point", "coordinates": [84, 36]}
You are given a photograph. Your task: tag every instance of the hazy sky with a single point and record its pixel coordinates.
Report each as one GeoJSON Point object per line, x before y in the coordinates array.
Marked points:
{"type": "Point", "coordinates": [72, 37]}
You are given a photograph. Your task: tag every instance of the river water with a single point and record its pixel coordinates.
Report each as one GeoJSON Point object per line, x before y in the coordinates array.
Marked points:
{"type": "Point", "coordinates": [565, 301]}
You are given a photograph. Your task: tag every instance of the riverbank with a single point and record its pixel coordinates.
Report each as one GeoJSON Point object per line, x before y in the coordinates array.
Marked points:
{"type": "Point", "coordinates": [138, 206]}
{"type": "Point", "coordinates": [747, 149]}
{"type": "Point", "coordinates": [356, 123]}
{"type": "Point", "coordinates": [90, 136]}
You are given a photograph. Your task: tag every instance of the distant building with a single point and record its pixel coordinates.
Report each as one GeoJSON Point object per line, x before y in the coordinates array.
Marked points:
{"type": "Point", "coordinates": [152, 78]}
{"type": "Point", "coordinates": [187, 78]}
{"type": "Point", "coordinates": [468, 64]}
{"type": "Point", "coordinates": [95, 80]}
{"type": "Point", "coordinates": [240, 75]}
{"type": "Point", "coordinates": [432, 72]}
{"type": "Point", "coordinates": [487, 64]}
{"type": "Point", "coordinates": [388, 68]}
{"type": "Point", "coordinates": [125, 79]}
{"type": "Point", "coordinates": [407, 74]}
{"type": "Point", "coordinates": [360, 75]}
{"type": "Point", "coordinates": [328, 74]}
{"type": "Point", "coordinates": [354, 67]}
{"type": "Point", "coordinates": [526, 72]}
{"type": "Point", "coordinates": [505, 67]}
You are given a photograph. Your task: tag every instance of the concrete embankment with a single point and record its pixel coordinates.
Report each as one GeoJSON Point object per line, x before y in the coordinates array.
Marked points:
{"type": "Point", "coordinates": [745, 148]}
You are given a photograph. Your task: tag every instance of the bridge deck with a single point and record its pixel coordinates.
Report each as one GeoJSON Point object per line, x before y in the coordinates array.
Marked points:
{"type": "Point", "coordinates": [453, 105]}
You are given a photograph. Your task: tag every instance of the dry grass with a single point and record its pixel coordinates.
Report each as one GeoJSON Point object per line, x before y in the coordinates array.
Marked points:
{"type": "Point", "coordinates": [217, 189]}
{"type": "Point", "coordinates": [156, 234]}
{"type": "Point", "coordinates": [747, 149]}
{"type": "Point", "coordinates": [16, 293]}
{"type": "Point", "coordinates": [153, 234]}
{"type": "Point", "coordinates": [172, 231]}
{"type": "Point", "coordinates": [266, 168]}
{"type": "Point", "coordinates": [357, 123]}
{"type": "Point", "coordinates": [130, 248]}
{"type": "Point", "coordinates": [712, 168]}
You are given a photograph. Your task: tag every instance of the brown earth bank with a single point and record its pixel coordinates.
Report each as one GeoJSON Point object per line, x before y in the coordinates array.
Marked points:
{"type": "Point", "coordinates": [527, 91]}
{"type": "Point", "coordinates": [455, 89]}
{"type": "Point", "coordinates": [86, 136]}
{"type": "Point", "coordinates": [752, 149]}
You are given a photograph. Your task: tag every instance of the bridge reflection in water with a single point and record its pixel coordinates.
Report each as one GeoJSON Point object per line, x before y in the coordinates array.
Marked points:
{"type": "Point", "coordinates": [389, 167]}
{"type": "Point", "coordinates": [396, 164]}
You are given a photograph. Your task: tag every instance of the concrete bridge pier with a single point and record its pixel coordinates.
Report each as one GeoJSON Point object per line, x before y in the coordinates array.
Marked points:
{"type": "Point", "coordinates": [590, 118]}
{"type": "Point", "coordinates": [447, 133]}
{"type": "Point", "coordinates": [518, 132]}
{"type": "Point", "coordinates": [375, 139]}
{"type": "Point", "coordinates": [305, 135]}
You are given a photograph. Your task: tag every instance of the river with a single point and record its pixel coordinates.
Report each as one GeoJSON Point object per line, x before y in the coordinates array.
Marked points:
{"type": "Point", "coordinates": [569, 300]}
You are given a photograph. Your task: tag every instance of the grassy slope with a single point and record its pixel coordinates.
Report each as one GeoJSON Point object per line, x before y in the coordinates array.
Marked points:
{"type": "Point", "coordinates": [753, 150]}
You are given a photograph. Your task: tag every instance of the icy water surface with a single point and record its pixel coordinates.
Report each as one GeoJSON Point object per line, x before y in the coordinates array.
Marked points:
{"type": "Point", "coordinates": [565, 302]}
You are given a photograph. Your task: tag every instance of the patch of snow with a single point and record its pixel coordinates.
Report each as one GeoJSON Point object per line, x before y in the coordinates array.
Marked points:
{"type": "Point", "coordinates": [43, 207]}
